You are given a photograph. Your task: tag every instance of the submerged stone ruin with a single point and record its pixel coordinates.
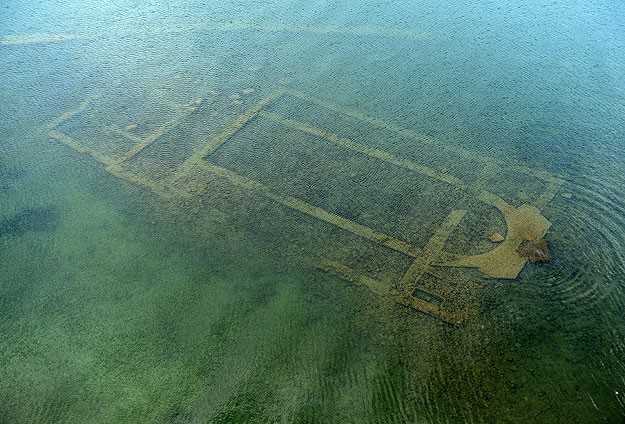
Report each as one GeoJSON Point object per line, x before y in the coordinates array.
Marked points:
{"type": "Point", "coordinates": [173, 154]}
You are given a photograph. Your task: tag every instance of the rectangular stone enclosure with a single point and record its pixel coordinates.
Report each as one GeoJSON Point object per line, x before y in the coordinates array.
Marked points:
{"type": "Point", "coordinates": [432, 202]}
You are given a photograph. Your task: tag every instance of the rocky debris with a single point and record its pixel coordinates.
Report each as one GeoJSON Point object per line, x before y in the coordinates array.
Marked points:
{"type": "Point", "coordinates": [535, 250]}
{"type": "Point", "coordinates": [496, 237]}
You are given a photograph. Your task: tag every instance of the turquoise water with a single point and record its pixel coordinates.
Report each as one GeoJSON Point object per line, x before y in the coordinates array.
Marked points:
{"type": "Point", "coordinates": [157, 295]}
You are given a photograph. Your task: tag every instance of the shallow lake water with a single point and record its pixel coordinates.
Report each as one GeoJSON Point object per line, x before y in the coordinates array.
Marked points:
{"type": "Point", "coordinates": [282, 212]}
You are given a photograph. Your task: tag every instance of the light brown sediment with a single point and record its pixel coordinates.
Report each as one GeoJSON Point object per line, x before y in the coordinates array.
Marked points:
{"type": "Point", "coordinates": [504, 261]}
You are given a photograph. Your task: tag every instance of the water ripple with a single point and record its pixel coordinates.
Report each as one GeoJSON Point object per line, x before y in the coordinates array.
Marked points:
{"type": "Point", "coordinates": [590, 246]}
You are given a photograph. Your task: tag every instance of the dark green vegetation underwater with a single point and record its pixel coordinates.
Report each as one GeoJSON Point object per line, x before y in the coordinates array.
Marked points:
{"type": "Point", "coordinates": [119, 306]}
{"type": "Point", "coordinates": [30, 219]}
